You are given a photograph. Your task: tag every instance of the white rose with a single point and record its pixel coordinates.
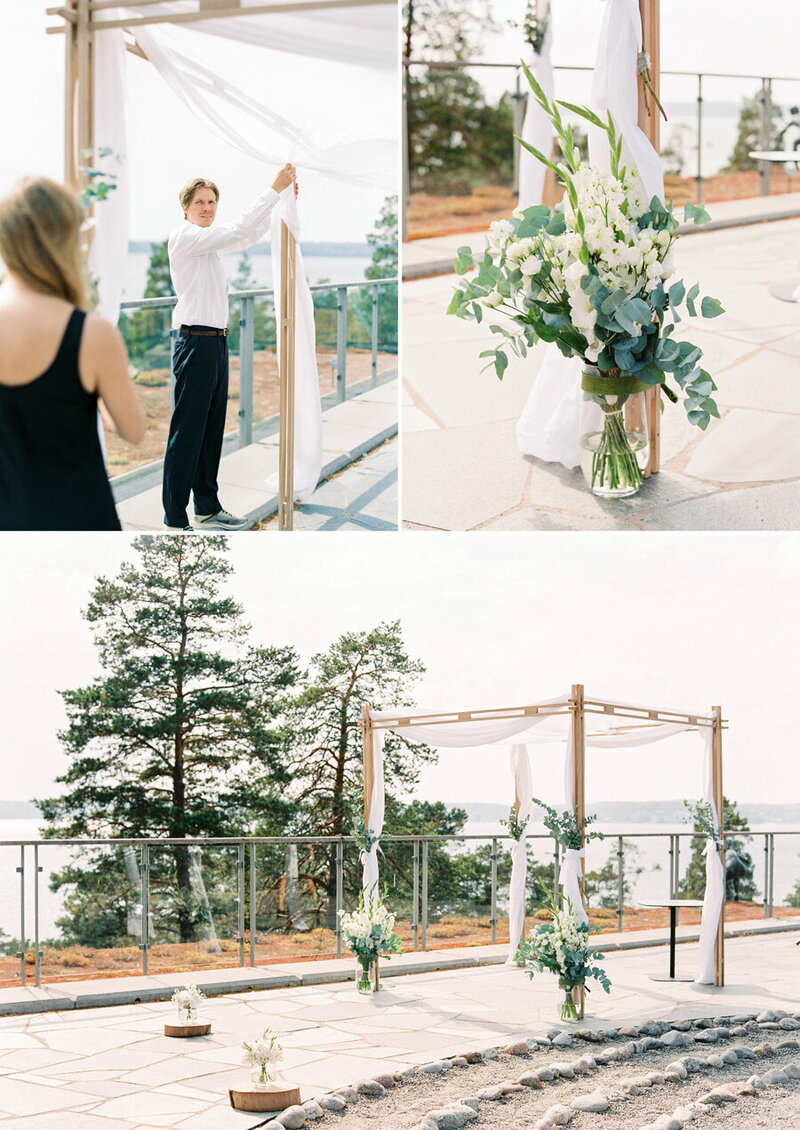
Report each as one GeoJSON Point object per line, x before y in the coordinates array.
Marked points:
{"type": "Point", "coordinates": [531, 266]}
{"type": "Point", "coordinates": [493, 298]}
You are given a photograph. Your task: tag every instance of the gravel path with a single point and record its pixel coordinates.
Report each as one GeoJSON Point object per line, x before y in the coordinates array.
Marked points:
{"type": "Point", "coordinates": [778, 1107]}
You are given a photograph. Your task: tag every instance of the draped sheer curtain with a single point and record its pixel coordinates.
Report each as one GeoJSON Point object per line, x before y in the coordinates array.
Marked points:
{"type": "Point", "coordinates": [602, 732]}
{"type": "Point", "coordinates": [364, 36]}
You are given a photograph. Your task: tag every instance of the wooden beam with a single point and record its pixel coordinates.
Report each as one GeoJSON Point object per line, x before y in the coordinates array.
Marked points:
{"type": "Point", "coordinates": [650, 123]}
{"type": "Point", "coordinates": [287, 358]}
{"type": "Point", "coordinates": [85, 92]}
{"type": "Point", "coordinates": [315, 6]}
{"type": "Point", "coordinates": [719, 804]}
{"type": "Point", "coordinates": [591, 706]}
{"type": "Point", "coordinates": [70, 92]}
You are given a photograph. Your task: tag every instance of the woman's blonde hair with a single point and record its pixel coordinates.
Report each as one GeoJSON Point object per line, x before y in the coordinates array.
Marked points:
{"type": "Point", "coordinates": [191, 187]}
{"type": "Point", "coordinates": [40, 238]}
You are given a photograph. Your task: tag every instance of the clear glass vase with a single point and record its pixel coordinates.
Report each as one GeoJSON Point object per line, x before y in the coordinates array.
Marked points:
{"type": "Point", "coordinates": [367, 976]}
{"type": "Point", "coordinates": [188, 1014]}
{"type": "Point", "coordinates": [614, 445]}
{"type": "Point", "coordinates": [569, 1005]}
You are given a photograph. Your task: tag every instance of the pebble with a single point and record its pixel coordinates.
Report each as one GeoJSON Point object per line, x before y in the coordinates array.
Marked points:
{"type": "Point", "coordinates": [546, 1074]}
{"type": "Point", "coordinates": [675, 1040]}
{"type": "Point", "coordinates": [489, 1053]}
{"type": "Point", "coordinates": [704, 1022]}
{"type": "Point", "coordinates": [729, 1056]}
{"type": "Point", "coordinates": [559, 1115]}
{"type": "Point", "coordinates": [530, 1079]}
{"type": "Point", "coordinates": [742, 1052]}
{"type": "Point", "coordinates": [722, 1033]}
{"type": "Point", "coordinates": [562, 1040]}
{"type": "Point", "coordinates": [693, 1063]}
{"type": "Point", "coordinates": [435, 1068]}
{"type": "Point", "coordinates": [707, 1036]}
{"type": "Point", "coordinates": [683, 1114]}
{"type": "Point", "coordinates": [519, 1048]}
{"type": "Point", "coordinates": [715, 1061]}
{"type": "Point", "coordinates": [757, 1082]}
{"type": "Point", "coordinates": [471, 1102]}
{"type": "Point", "coordinates": [491, 1093]}
{"type": "Point", "coordinates": [591, 1036]}
{"type": "Point", "coordinates": [385, 1080]}
{"type": "Point", "coordinates": [563, 1069]}
{"type": "Point", "coordinates": [742, 1088]}
{"type": "Point", "coordinates": [673, 1077]}
{"type": "Point", "coordinates": [717, 1097]}
{"type": "Point", "coordinates": [739, 1030]}
{"type": "Point", "coordinates": [681, 1025]}
{"type": "Point", "coordinates": [313, 1110]}
{"type": "Point", "coordinates": [472, 1057]}
{"type": "Point", "coordinates": [629, 1030]}
{"type": "Point", "coordinates": [676, 1068]}
{"type": "Point", "coordinates": [510, 1087]}
{"type": "Point", "coordinates": [459, 1061]}
{"type": "Point", "coordinates": [273, 1125]}
{"type": "Point", "coordinates": [449, 1119]}
{"type": "Point", "coordinates": [594, 1103]}
{"type": "Point", "coordinates": [370, 1087]}
{"type": "Point", "coordinates": [654, 1028]}
{"type": "Point", "coordinates": [656, 1078]}
{"type": "Point", "coordinates": [292, 1118]}
{"type": "Point", "coordinates": [792, 1071]}
{"type": "Point", "coordinates": [583, 1066]}
{"type": "Point", "coordinates": [788, 1045]}
{"type": "Point", "coordinates": [775, 1076]}
{"type": "Point", "coordinates": [780, 1014]}
{"type": "Point", "coordinates": [788, 1024]}
{"type": "Point", "coordinates": [334, 1103]}
{"type": "Point", "coordinates": [347, 1093]}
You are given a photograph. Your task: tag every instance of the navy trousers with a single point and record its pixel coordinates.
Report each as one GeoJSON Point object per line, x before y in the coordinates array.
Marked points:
{"type": "Point", "coordinates": [194, 447]}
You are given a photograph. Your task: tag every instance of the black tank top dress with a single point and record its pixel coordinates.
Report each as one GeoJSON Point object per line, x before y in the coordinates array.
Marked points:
{"type": "Point", "coordinates": [52, 475]}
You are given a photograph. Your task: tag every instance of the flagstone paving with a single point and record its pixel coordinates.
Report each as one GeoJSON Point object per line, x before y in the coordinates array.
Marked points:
{"type": "Point", "coordinates": [461, 463]}
{"type": "Point", "coordinates": [97, 1068]}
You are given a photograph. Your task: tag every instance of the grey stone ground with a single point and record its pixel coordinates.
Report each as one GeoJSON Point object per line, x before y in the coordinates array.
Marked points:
{"type": "Point", "coordinates": [98, 1068]}
{"type": "Point", "coordinates": [461, 463]}
{"type": "Point", "coordinates": [362, 497]}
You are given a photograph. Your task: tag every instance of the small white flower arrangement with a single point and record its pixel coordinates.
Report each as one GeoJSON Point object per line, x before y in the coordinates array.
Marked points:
{"type": "Point", "coordinates": [263, 1054]}
{"type": "Point", "coordinates": [369, 932]}
{"type": "Point", "coordinates": [188, 1001]}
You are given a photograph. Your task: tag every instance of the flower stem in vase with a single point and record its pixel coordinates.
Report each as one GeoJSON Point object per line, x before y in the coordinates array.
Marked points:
{"type": "Point", "coordinates": [364, 983]}
{"type": "Point", "coordinates": [614, 464]}
{"type": "Point", "coordinates": [569, 1008]}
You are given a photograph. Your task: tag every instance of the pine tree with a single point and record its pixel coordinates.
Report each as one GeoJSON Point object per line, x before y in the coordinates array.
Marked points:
{"type": "Point", "coordinates": [693, 883]}
{"type": "Point", "coordinates": [383, 239]}
{"type": "Point", "coordinates": [146, 332]}
{"type": "Point", "coordinates": [175, 738]}
{"type": "Point", "coordinates": [748, 136]}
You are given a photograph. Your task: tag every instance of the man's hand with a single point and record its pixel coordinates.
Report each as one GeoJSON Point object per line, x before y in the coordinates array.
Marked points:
{"type": "Point", "coordinates": [284, 178]}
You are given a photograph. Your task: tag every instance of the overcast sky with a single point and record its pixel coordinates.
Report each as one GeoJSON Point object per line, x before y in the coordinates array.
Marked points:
{"type": "Point", "coordinates": [167, 144]}
{"type": "Point", "coordinates": [683, 621]}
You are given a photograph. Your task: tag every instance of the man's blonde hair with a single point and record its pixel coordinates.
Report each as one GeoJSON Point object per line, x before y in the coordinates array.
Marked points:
{"type": "Point", "coordinates": [40, 239]}
{"type": "Point", "coordinates": [191, 187]}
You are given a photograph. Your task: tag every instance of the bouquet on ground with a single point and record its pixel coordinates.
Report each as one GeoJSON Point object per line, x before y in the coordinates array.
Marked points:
{"type": "Point", "coordinates": [188, 1001]}
{"type": "Point", "coordinates": [591, 276]}
{"type": "Point", "coordinates": [262, 1054]}
{"type": "Point", "coordinates": [369, 934]}
{"type": "Point", "coordinates": [562, 947]}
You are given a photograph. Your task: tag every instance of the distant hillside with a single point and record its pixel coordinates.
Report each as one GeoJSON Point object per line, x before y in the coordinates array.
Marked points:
{"type": "Point", "coordinates": [18, 810]}
{"type": "Point", "coordinates": [645, 812]}
{"type": "Point", "coordinates": [323, 250]}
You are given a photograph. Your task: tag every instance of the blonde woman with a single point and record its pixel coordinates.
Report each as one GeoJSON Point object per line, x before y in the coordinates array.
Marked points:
{"type": "Point", "coordinates": [56, 362]}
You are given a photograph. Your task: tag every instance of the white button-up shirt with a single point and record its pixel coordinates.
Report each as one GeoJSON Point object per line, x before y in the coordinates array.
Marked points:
{"type": "Point", "coordinates": [195, 262]}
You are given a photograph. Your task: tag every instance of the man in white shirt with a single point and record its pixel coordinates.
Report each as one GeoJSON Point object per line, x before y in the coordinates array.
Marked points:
{"type": "Point", "coordinates": [200, 359]}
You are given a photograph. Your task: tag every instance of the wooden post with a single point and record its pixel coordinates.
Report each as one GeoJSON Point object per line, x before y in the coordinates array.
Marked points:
{"type": "Point", "coordinates": [650, 123]}
{"type": "Point", "coordinates": [579, 788]}
{"type": "Point", "coordinates": [70, 91]}
{"type": "Point", "coordinates": [286, 354]}
{"type": "Point", "coordinates": [84, 55]}
{"type": "Point", "coordinates": [719, 804]}
{"type": "Point", "coordinates": [369, 764]}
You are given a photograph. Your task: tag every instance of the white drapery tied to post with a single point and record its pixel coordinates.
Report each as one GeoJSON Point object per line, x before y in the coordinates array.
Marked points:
{"type": "Point", "coordinates": [570, 880]}
{"type": "Point", "coordinates": [549, 427]}
{"type": "Point", "coordinates": [521, 771]}
{"type": "Point", "coordinates": [377, 808]}
{"type": "Point", "coordinates": [714, 896]}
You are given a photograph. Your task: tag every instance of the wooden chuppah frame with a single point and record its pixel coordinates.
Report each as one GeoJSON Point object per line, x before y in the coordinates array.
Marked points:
{"type": "Point", "coordinates": [579, 707]}
{"type": "Point", "coordinates": [82, 19]}
{"type": "Point", "coordinates": [650, 124]}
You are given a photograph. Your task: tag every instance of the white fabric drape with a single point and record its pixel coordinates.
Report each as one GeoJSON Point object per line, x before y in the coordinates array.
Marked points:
{"type": "Point", "coordinates": [523, 791]}
{"type": "Point", "coordinates": [536, 128]}
{"type": "Point", "coordinates": [714, 896]}
{"type": "Point", "coordinates": [377, 809]}
{"type": "Point", "coordinates": [307, 407]}
{"type": "Point", "coordinates": [549, 427]}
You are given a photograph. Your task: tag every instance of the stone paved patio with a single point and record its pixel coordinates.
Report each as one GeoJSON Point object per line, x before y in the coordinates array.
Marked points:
{"type": "Point", "coordinates": [461, 463]}
{"type": "Point", "coordinates": [102, 1068]}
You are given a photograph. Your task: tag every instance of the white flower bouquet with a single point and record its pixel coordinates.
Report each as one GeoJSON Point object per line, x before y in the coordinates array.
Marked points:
{"type": "Point", "coordinates": [369, 933]}
{"type": "Point", "coordinates": [590, 276]}
{"type": "Point", "coordinates": [562, 947]}
{"type": "Point", "coordinates": [263, 1053]}
{"type": "Point", "coordinates": [188, 1001]}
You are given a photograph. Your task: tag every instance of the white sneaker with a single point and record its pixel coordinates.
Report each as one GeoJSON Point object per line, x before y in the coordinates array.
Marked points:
{"type": "Point", "coordinates": [222, 520]}
{"type": "Point", "coordinates": [179, 529]}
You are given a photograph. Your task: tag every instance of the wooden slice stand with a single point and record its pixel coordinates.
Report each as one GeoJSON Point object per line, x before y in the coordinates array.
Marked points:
{"type": "Point", "coordinates": [186, 1031]}
{"type": "Point", "coordinates": [265, 1099]}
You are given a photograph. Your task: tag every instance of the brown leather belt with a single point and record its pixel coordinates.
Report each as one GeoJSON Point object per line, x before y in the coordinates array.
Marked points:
{"type": "Point", "coordinates": [204, 331]}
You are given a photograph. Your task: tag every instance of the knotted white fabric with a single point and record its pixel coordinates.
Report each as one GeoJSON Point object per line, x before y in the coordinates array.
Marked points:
{"type": "Point", "coordinates": [714, 897]}
{"type": "Point", "coordinates": [377, 808]}
{"type": "Point", "coordinates": [523, 791]}
{"type": "Point", "coordinates": [549, 427]}
{"type": "Point", "coordinates": [537, 129]}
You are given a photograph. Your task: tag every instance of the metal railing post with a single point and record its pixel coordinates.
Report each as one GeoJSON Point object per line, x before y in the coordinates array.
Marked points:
{"type": "Point", "coordinates": [766, 875]}
{"type": "Point", "coordinates": [620, 882]}
{"type": "Point", "coordinates": [37, 956]}
{"type": "Point", "coordinates": [424, 895]}
{"type": "Point", "coordinates": [339, 893]}
{"type": "Point", "coordinates": [415, 911]}
{"type": "Point", "coordinates": [518, 118]}
{"type": "Point", "coordinates": [21, 953]}
{"type": "Point", "coordinates": [253, 897]}
{"type": "Point", "coordinates": [240, 901]}
{"type": "Point", "coordinates": [771, 874]}
{"type": "Point", "coordinates": [699, 177]}
{"type": "Point", "coordinates": [677, 865]}
{"type": "Point", "coordinates": [493, 918]}
{"type": "Point", "coordinates": [247, 337]}
{"type": "Point", "coordinates": [765, 136]}
{"type": "Point", "coordinates": [374, 336]}
{"type": "Point", "coordinates": [145, 901]}
{"type": "Point", "coordinates": [341, 342]}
